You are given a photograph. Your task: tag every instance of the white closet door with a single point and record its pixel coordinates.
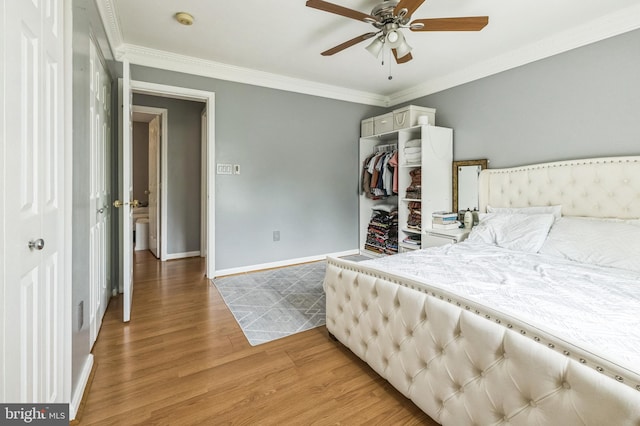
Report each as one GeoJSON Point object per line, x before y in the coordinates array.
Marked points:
{"type": "Point", "coordinates": [99, 208]}
{"type": "Point", "coordinates": [32, 254]}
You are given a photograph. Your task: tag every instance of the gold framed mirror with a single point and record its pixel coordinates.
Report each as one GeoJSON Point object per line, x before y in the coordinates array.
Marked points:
{"type": "Point", "coordinates": [465, 183]}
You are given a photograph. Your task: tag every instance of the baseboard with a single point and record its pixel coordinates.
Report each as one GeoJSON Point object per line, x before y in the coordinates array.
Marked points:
{"type": "Point", "coordinates": [171, 256]}
{"type": "Point", "coordinates": [281, 263]}
{"type": "Point", "coordinates": [84, 384]}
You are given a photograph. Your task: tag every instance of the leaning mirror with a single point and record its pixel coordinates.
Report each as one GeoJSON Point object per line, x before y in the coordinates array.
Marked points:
{"type": "Point", "coordinates": [465, 183]}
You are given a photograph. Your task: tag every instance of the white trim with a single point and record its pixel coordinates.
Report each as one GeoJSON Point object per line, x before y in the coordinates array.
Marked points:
{"type": "Point", "coordinates": [203, 183]}
{"type": "Point", "coordinates": [76, 398]}
{"type": "Point", "coordinates": [281, 263]}
{"type": "Point", "coordinates": [144, 56]}
{"type": "Point", "coordinates": [67, 200]}
{"type": "Point", "coordinates": [602, 28]}
{"type": "Point", "coordinates": [111, 22]}
{"type": "Point", "coordinates": [173, 256]}
{"type": "Point", "coordinates": [209, 99]}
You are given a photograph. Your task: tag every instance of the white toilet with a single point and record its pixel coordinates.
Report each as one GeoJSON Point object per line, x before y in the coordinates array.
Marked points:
{"type": "Point", "coordinates": [142, 234]}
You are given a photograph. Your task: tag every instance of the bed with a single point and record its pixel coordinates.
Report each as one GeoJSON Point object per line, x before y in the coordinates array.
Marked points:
{"type": "Point", "coordinates": [521, 324]}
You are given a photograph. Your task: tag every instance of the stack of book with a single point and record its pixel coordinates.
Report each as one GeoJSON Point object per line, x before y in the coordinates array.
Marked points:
{"type": "Point", "coordinates": [444, 220]}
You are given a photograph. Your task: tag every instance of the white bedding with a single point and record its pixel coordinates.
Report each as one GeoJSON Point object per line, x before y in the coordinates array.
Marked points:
{"type": "Point", "coordinates": [596, 309]}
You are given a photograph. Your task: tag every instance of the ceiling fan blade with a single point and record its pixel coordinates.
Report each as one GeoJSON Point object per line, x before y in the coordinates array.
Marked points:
{"type": "Point", "coordinates": [348, 43]}
{"type": "Point", "coordinates": [410, 5]}
{"type": "Point", "coordinates": [471, 23]}
{"type": "Point", "coordinates": [404, 59]}
{"type": "Point", "coordinates": [338, 10]}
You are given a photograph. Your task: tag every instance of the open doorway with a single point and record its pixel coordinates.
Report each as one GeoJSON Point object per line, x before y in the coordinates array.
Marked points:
{"type": "Point", "coordinates": [150, 128]}
{"type": "Point", "coordinates": [177, 199]}
{"type": "Point", "coordinates": [206, 102]}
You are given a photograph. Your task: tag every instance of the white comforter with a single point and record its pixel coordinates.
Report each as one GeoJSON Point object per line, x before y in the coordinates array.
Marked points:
{"type": "Point", "coordinates": [594, 308]}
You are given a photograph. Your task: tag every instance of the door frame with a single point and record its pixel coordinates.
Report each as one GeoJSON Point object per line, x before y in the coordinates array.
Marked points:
{"type": "Point", "coordinates": [162, 201]}
{"type": "Point", "coordinates": [208, 98]}
{"type": "Point", "coordinates": [203, 182]}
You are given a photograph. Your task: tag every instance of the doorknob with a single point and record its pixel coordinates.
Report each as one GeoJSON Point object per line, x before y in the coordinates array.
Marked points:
{"type": "Point", "coordinates": [117, 203]}
{"type": "Point", "coordinates": [36, 244]}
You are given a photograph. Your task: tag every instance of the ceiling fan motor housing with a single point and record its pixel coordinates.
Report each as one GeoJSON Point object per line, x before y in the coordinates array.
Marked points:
{"type": "Point", "coordinates": [384, 14]}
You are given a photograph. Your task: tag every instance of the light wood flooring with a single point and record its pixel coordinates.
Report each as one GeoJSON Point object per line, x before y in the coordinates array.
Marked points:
{"type": "Point", "coordinates": [183, 360]}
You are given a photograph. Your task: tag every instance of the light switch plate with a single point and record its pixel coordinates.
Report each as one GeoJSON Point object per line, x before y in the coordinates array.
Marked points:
{"type": "Point", "coordinates": [224, 169]}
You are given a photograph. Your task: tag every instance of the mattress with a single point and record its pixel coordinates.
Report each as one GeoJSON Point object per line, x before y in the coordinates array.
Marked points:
{"type": "Point", "coordinates": [591, 310]}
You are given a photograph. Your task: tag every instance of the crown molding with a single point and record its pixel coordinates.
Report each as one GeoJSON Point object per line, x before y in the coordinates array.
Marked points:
{"type": "Point", "coordinates": [610, 25]}
{"type": "Point", "coordinates": [111, 23]}
{"type": "Point", "coordinates": [144, 56]}
{"type": "Point", "coordinates": [602, 28]}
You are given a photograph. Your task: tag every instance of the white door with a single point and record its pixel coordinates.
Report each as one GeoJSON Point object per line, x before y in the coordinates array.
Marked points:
{"type": "Point", "coordinates": [154, 183]}
{"type": "Point", "coordinates": [99, 211]}
{"type": "Point", "coordinates": [125, 200]}
{"type": "Point", "coordinates": [35, 330]}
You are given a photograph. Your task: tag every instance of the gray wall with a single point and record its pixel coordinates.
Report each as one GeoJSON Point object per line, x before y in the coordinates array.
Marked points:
{"type": "Point", "coordinates": [579, 104]}
{"type": "Point", "coordinates": [140, 161]}
{"type": "Point", "coordinates": [183, 157]}
{"type": "Point", "coordinates": [298, 156]}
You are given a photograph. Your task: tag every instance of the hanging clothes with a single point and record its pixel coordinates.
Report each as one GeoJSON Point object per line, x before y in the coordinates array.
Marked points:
{"type": "Point", "coordinates": [377, 175]}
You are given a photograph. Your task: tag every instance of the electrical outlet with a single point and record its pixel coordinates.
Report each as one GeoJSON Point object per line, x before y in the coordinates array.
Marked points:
{"type": "Point", "coordinates": [276, 235]}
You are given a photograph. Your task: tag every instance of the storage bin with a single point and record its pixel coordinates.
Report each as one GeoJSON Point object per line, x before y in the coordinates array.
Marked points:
{"type": "Point", "coordinates": [383, 123]}
{"type": "Point", "coordinates": [406, 117]}
{"type": "Point", "coordinates": [366, 127]}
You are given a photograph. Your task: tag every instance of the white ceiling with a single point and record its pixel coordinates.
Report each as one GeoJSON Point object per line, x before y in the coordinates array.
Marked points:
{"type": "Point", "coordinates": [278, 43]}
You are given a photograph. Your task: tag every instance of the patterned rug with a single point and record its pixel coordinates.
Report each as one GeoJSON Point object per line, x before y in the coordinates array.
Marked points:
{"type": "Point", "coordinates": [276, 303]}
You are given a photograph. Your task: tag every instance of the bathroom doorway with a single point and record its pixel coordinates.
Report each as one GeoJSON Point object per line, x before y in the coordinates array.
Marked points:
{"type": "Point", "coordinates": [150, 127]}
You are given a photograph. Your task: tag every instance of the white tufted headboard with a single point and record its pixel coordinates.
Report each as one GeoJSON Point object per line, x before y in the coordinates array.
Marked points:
{"type": "Point", "coordinates": [597, 187]}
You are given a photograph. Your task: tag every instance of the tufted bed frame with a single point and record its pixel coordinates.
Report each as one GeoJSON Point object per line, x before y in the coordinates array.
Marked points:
{"type": "Point", "coordinates": [478, 366]}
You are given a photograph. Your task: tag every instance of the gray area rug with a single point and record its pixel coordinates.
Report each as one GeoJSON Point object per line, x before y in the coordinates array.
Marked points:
{"type": "Point", "coordinates": [277, 303]}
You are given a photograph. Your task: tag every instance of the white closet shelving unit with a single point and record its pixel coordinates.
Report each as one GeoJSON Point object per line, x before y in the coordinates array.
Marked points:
{"type": "Point", "coordinates": [437, 155]}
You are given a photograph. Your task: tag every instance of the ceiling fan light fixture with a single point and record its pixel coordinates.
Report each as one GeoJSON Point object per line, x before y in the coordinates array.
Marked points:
{"type": "Point", "coordinates": [403, 49]}
{"type": "Point", "coordinates": [394, 38]}
{"type": "Point", "coordinates": [376, 46]}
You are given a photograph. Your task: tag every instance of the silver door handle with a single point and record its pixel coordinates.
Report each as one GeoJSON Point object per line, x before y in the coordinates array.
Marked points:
{"type": "Point", "coordinates": [36, 244]}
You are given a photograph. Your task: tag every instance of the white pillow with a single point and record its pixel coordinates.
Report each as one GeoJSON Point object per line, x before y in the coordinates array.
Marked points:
{"type": "Point", "coordinates": [522, 232]}
{"type": "Point", "coordinates": [613, 243]}
{"type": "Point", "coordinates": [554, 210]}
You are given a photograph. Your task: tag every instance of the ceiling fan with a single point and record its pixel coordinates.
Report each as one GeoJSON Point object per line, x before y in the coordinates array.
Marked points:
{"type": "Point", "coordinates": [388, 18]}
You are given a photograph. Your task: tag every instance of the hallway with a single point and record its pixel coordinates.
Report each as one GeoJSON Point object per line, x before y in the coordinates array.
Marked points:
{"type": "Point", "coordinates": [184, 360]}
